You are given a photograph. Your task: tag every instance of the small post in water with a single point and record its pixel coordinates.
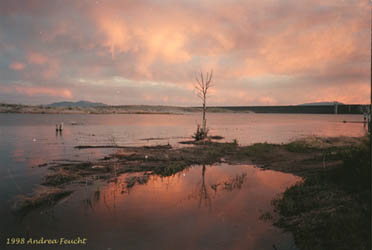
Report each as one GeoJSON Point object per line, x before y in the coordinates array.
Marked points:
{"type": "Point", "coordinates": [59, 127]}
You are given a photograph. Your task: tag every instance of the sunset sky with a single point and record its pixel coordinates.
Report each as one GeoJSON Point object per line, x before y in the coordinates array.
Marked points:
{"type": "Point", "coordinates": [262, 52]}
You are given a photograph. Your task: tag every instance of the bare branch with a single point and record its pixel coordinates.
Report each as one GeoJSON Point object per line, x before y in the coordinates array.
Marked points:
{"type": "Point", "coordinates": [197, 79]}
{"type": "Point", "coordinates": [204, 82]}
{"type": "Point", "coordinates": [210, 77]}
{"type": "Point", "coordinates": [198, 90]}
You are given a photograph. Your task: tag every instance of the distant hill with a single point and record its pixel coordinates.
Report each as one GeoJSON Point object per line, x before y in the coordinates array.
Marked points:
{"type": "Point", "coordinates": [320, 104]}
{"type": "Point", "coordinates": [83, 104]}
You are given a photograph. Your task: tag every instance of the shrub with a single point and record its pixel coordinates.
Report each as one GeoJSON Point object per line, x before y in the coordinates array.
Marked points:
{"type": "Point", "coordinates": [200, 133]}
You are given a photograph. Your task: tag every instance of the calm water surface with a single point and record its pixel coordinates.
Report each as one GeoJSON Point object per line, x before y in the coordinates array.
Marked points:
{"type": "Point", "coordinates": [184, 211]}
{"type": "Point", "coordinates": [215, 207]}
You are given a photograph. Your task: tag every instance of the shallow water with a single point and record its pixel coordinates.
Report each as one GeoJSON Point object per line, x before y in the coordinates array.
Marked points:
{"type": "Point", "coordinates": [212, 207]}
{"type": "Point", "coordinates": [28, 140]}
{"type": "Point", "coordinates": [165, 207]}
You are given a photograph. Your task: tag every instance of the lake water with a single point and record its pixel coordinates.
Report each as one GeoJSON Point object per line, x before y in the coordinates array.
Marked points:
{"type": "Point", "coordinates": [165, 211]}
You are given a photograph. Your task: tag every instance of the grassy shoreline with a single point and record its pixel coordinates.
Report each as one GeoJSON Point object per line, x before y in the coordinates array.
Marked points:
{"type": "Point", "coordinates": [329, 209]}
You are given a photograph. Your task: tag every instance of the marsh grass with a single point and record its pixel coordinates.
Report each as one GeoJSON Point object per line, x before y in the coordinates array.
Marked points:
{"type": "Point", "coordinates": [300, 147]}
{"type": "Point", "coordinates": [355, 172]}
{"type": "Point", "coordinates": [331, 210]}
{"type": "Point", "coordinates": [59, 176]}
{"type": "Point", "coordinates": [257, 150]}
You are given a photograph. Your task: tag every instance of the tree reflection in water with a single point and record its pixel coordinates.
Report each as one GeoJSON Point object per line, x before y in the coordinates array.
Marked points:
{"type": "Point", "coordinates": [204, 197]}
{"type": "Point", "coordinates": [203, 194]}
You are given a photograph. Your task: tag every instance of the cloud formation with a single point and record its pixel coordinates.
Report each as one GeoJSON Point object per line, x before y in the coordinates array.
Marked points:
{"type": "Point", "coordinates": [266, 52]}
{"type": "Point", "coordinates": [17, 66]}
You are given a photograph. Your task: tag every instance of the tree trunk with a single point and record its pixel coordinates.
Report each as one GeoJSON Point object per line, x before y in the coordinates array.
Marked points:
{"type": "Point", "coordinates": [204, 121]}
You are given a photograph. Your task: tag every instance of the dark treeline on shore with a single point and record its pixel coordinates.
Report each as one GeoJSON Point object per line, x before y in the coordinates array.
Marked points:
{"type": "Point", "coordinates": [304, 109]}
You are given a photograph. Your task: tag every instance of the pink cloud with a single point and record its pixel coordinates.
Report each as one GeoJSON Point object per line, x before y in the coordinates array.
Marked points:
{"type": "Point", "coordinates": [38, 91]}
{"type": "Point", "coordinates": [49, 67]}
{"type": "Point", "coordinates": [17, 66]}
{"type": "Point", "coordinates": [44, 91]}
{"type": "Point", "coordinates": [266, 100]}
{"type": "Point", "coordinates": [51, 70]}
{"type": "Point", "coordinates": [36, 58]}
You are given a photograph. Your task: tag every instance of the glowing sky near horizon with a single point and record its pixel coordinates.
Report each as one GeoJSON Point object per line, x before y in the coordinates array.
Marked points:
{"type": "Point", "coordinates": [262, 52]}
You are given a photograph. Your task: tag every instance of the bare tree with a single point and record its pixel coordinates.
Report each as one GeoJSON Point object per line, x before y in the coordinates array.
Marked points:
{"type": "Point", "coordinates": [203, 84]}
